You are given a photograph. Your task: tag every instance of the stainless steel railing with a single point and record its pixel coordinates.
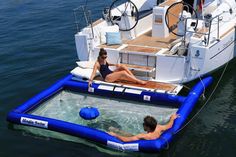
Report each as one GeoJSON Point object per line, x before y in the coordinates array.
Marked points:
{"type": "Point", "coordinates": [208, 33]}
{"type": "Point", "coordinates": [87, 15]}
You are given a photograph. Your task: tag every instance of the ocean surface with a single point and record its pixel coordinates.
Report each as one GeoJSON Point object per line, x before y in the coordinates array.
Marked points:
{"type": "Point", "coordinates": [37, 49]}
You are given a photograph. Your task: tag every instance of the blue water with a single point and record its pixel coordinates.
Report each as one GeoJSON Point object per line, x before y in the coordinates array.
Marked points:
{"type": "Point", "coordinates": [37, 48]}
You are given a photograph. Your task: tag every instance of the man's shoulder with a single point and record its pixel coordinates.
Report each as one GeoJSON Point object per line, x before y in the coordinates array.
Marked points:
{"type": "Point", "coordinates": [143, 135]}
{"type": "Point", "coordinates": [149, 136]}
{"type": "Point", "coordinates": [159, 128]}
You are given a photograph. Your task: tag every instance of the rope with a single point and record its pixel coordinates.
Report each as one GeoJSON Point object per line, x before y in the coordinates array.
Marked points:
{"type": "Point", "coordinates": [204, 88]}
{"type": "Point", "coordinates": [186, 87]}
{"type": "Point", "coordinates": [217, 84]}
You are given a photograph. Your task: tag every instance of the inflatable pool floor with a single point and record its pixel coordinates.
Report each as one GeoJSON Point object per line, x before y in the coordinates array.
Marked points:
{"type": "Point", "coordinates": [21, 115]}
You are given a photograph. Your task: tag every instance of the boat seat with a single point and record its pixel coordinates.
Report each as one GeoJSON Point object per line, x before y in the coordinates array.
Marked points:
{"type": "Point", "coordinates": [83, 73]}
{"type": "Point", "coordinates": [85, 64]}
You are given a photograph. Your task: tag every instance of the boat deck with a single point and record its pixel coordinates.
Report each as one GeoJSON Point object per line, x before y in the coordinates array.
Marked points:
{"type": "Point", "coordinates": [150, 85]}
{"type": "Point", "coordinates": [109, 46]}
{"type": "Point", "coordinates": [153, 85]}
{"type": "Point", "coordinates": [131, 48]}
{"type": "Point", "coordinates": [147, 40]}
{"type": "Point", "coordinates": [138, 67]}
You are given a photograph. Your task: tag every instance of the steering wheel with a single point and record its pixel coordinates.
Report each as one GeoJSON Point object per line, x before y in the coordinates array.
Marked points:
{"type": "Point", "coordinates": [172, 17]}
{"type": "Point", "coordinates": [125, 17]}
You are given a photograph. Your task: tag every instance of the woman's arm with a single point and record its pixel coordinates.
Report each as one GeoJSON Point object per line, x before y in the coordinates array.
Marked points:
{"type": "Point", "coordinates": [95, 67]}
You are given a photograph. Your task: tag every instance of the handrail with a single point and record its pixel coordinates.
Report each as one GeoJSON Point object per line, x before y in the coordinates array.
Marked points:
{"type": "Point", "coordinates": [209, 31]}
{"type": "Point", "coordinates": [218, 28]}
{"type": "Point", "coordinates": [87, 16]}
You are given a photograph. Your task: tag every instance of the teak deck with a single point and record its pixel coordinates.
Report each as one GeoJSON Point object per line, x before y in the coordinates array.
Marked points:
{"type": "Point", "coordinates": [146, 43]}
{"type": "Point", "coordinates": [131, 48]}
{"type": "Point", "coordinates": [150, 85]}
{"type": "Point", "coordinates": [130, 66]}
{"type": "Point", "coordinates": [147, 40]}
{"type": "Point", "coordinates": [109, 46]}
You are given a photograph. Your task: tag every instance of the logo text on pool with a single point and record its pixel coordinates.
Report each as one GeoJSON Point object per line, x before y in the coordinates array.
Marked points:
{"type": "Point", "coordinates": [34, 122]}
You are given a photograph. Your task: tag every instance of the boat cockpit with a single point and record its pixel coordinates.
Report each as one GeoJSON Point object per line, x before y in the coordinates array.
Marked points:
{"type": "Point", "coordinates": [160, 42]}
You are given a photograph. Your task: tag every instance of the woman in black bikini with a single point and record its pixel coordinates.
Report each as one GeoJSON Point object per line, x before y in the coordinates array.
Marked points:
{"type": "Point", "coordinates": [121, 73]}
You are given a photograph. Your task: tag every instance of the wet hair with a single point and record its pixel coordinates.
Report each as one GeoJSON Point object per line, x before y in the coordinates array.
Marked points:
{"type": "Point", "coordinates": [102, 52]}
{"type": "Point", "coordinates": [150, 122]}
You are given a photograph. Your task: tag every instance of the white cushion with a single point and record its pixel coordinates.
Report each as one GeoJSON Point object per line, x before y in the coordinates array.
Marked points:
{"type": "Point", "coordinates": [83, 73]}
{"type": "Point", "coordinates": [106, 29]}
{"type": "Point", "coordinates": [86, 64]}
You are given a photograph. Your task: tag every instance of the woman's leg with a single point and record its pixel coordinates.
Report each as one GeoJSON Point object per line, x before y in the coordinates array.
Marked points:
{"type": "Point", "coordinates": [123, 67]}
{"type": "Point", "coordinates": [123, 75]}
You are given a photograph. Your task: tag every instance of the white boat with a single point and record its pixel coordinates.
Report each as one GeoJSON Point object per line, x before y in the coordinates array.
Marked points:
{"type": "Point", "coordinates": [172, 42]}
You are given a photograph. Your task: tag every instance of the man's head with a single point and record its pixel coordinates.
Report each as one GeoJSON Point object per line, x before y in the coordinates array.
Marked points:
{"type": "Point", "coordinates": [149, 124]}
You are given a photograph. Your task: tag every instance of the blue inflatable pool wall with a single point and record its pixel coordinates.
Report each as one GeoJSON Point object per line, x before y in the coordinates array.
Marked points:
{"type": "Point", "coordinates": [20, 114]}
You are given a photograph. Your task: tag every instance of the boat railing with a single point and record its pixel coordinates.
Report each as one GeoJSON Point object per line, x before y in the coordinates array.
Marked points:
{"type": "Point", "coordinates": [208, 25]}
{"type": "Point", "coordinates": [86, 14]}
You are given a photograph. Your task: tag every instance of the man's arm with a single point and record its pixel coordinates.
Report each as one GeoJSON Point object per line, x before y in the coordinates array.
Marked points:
{"type": "Point", "coordinates": [170, 123]}
{"type": "Point", "coordinates": [131, 138]}
{"type": "Point", "coordinates": [144, 136]}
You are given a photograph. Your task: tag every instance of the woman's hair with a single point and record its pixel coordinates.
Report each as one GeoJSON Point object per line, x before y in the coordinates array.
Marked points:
{"type": "Point", "coordinates": [102, 52]}
{"type": "Point", "coordinates": [150, 122]}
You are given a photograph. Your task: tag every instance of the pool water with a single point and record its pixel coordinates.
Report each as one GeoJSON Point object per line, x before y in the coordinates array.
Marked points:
{"type": "Point", "coordinates": [114, 113]}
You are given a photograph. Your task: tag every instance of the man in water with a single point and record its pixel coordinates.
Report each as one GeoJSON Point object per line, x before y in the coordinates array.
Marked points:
{"type": "Point", "coordinates": [153, 130]}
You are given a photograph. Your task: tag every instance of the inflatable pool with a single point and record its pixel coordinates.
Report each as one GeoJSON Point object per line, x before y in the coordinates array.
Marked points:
{"type": "Point", "coordinates": [22, 114]}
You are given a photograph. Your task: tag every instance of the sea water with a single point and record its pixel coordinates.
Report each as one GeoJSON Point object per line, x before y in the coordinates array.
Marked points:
{"type": "Point", "coordinates": [37, 48]}
{"type": "Point", "coordinates": [114, 113]}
